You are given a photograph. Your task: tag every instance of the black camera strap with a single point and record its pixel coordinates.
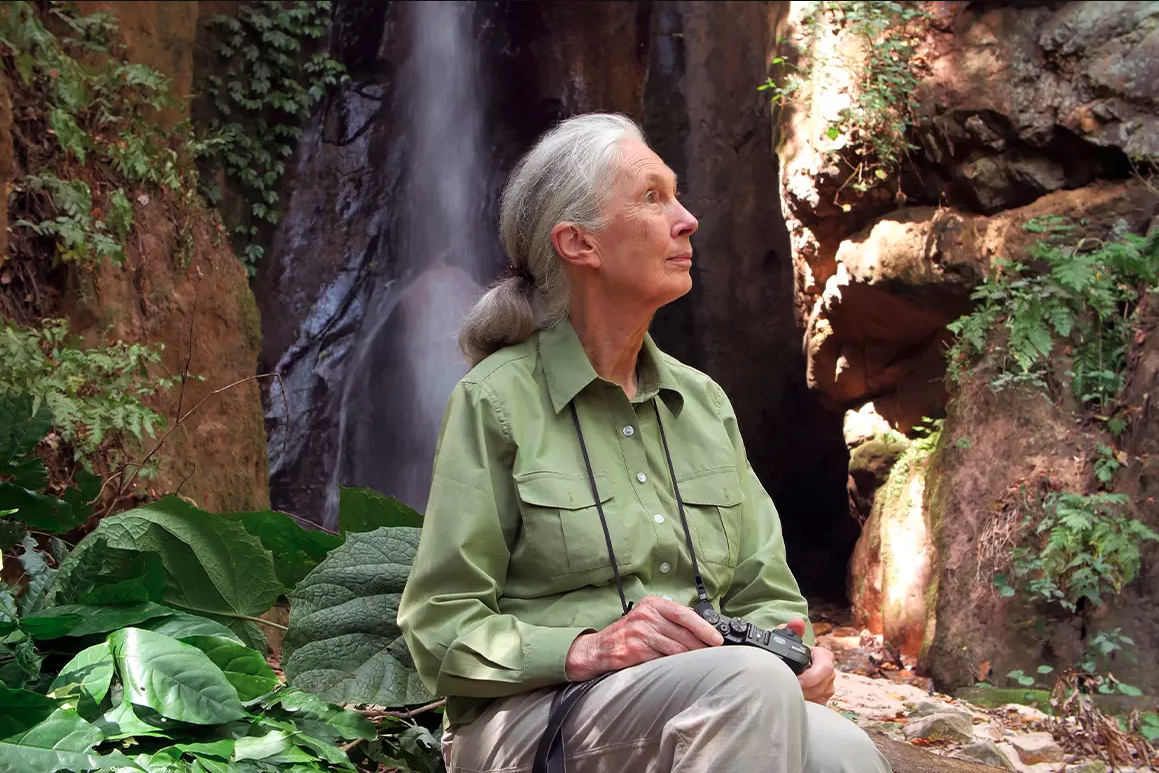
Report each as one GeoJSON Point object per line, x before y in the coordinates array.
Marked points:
{"type": "Point", "coordinates": [701, 591]}
{"type": "Point", "coordinates": [549, 755]}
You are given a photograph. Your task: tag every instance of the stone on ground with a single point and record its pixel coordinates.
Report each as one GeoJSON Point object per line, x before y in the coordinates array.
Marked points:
{"type": "Point", "coordinates": [944, 726]}
{"type": "Point", "coordinates": [1035, 748]}
{"type": "Point", "coordinates": [985, 752]}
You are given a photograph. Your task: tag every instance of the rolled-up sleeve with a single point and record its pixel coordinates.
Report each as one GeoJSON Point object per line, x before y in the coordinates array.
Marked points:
{"type": "Point", "coordinates": [449, 612]}
{"type": "Point", "coordinates": [763, 589]}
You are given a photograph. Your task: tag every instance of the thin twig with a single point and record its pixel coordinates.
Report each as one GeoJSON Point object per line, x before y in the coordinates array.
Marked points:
{"type": "Point", "coordinates": [380, 713]}
{"type": "Point", "coordinates": [189, 354]}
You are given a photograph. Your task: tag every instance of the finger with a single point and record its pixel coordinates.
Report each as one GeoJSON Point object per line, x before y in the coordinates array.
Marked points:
{"type": "Point", "coordinates": [797, 626]}
{"type": "Point", "coordinates": [672, 639]}
{"type": "Point", "coordinates": [687, 618]}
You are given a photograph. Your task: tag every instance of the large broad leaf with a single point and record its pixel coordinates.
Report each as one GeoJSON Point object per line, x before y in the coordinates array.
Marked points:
{"type": "Point", "coordinates": [245, 668]}
{"type": "Point", "coordinates": [11, 533]}
{"type": "Point", "coordinates": [98, 574]}
{"type": "Point", "coordinates": [174, 679]}
{"type": "Point", "coordinates": [22, 709]}
{"type": "Point", "coordinates": [64, 741]}
{"type": "Point", "coordinates": [86, 620]}
{"type": "Point", "coordinates": [122, 721]}
{"type": "Point", "coordinates": [84, 681]}
{"type": "Point", "coordinates": [21, 427]}
{"type": "Point", "coordinates": [182, 625]}
{"type": "Point", "coordinates": [364, 509]}
{"type": "Point", "coordinates": [213, 567]}
{"type": "Point", "coordinates": [296, 550]}
{"type": "Point", "coordinates": [344, 644]}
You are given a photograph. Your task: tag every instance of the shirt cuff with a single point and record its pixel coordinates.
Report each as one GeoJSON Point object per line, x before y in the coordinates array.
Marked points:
{"type": "Point", "coordinates": [545, 654]}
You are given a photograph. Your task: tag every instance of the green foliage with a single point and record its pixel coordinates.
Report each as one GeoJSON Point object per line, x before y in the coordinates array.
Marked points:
{"type": "Point", "coordinates": [114, 655]}
{"type": "Point", "coordinates": [1079, 292]}
{"type": "Point", "coordinates": [344, 642]}
{"type": "Point", "coordinates": [916, 454]}
{"type": "Point", "coordinates": [364, 509]}
{"type": "Point", "coordinates": [878, 41]}
{"type": "Point", "coordinates": [266, 87]}
{"type": "Point", "coordinates": [102, 111]}
{"type": "Point", "coordinates": [1085, 547]}
{"type": "Point", "coordinates": [96, 394]}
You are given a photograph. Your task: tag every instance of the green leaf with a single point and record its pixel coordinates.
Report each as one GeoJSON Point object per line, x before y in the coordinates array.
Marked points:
{"type": "Point", "coordinates": [174, 679]}
{"type": "Point", "coordinates": [11, 533]}
{"type": "Point", "coordinates": [122, 722]}
{"type": "Point", "coordinates": [833, 133]}
{"type": "Point", "coordinates": [364, 509]}
{"type": "Point", "coordinates": [87, 620]}
{"type": "Point", "coordinates": [344, 644]}
{"type": "Point", "coordinates": [22, 709]}
{"type": "Point", "coordinates": [309, 712]}
{"type": "Point", "coordinates": [213, 567]}
{"type": "Point", "coordinates": [85, 680]}
{"type": "Point", "coordinates": [296, 550]}
{"type": "Point", "coordinates": [39, 577]}
{"type": "Point", "coordinates": [1045, 669]}
{"type": "Point", "coordinates": [259, 748]}
{"type": "Point", "coordinates": [21, 427]}
{"type": "Point", "coordinates": [1130, 690]}
{"type": "Point", "coordinates": [40, 511]}
{"type": "Point", "coordinates": [245, 668]}
{"type": "Point", "coordinates": [181, 625]}
{"type": "Point", "coordinates": [64, 741]}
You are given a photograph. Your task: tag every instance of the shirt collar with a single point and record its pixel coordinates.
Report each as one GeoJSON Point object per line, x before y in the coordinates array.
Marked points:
{"type": "Point", "coordinates": [568, 370]}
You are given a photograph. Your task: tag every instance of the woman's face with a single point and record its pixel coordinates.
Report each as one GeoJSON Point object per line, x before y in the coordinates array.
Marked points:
{"type": "Point", "coordinates": [644, 254]}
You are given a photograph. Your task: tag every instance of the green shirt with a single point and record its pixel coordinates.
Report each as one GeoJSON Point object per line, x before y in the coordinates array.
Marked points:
{"type": "Point", "coordinates": [513, 565]}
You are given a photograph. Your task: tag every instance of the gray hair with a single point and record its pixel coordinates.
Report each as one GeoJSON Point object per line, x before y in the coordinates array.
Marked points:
{"type": "Point", "coordinates": [563, 178]}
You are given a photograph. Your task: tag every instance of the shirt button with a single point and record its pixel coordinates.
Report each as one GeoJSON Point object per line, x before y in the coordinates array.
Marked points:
{"type": "Point", "coordinates": [628, 432]}
{"type": "Point", "coordinates": [658, 518]}
{"type": "Point", "coordinates": [641, 477]}
{"type": "Point", "coordinates": [665, 567]}
{"type": "Point", "coordinates": [666, 596]}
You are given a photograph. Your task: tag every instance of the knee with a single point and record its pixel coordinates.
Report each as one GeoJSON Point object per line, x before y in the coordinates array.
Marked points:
{"type": "Point", "coordinates": [755, 680]}
{"type": "Point", "coordinates": [836, 745]}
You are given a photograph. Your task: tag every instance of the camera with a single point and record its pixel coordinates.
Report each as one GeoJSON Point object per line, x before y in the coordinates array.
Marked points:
{"type": "Point", "coordinates": [782, 642]}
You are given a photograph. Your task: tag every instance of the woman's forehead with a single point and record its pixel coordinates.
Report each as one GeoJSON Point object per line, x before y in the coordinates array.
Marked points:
{"type": "Point", "coordinates": [640, 165]}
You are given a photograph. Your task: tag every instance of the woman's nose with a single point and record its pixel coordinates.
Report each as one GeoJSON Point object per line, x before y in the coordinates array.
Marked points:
{"type": "Point", "coordinates": [684, 224]}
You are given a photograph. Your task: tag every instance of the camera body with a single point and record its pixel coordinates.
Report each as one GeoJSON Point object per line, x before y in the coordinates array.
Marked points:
{"type": "Point", "coordinates": [782, 642]}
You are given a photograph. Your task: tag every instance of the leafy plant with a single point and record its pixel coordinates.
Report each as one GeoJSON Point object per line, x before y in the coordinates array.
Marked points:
{"type": "Point", "coordinates": [136, 650]}
{"type": "Point", "coordinates": [266, 88]}
{"type": "Point", "coordinates": [102, 111]}
{"type": "Point", "coordinates": [1087, 547]}
{"type": "Point", "coordinates": [878, 41]}
{"type": "Point", "coordinates": [96, 395]}
{"type": "Point", "coordinates": [1080, 292]}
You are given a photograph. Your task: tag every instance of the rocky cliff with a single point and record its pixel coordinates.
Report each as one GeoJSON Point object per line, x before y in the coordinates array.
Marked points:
{"type": "Point", "coordinates": [1019, 112]}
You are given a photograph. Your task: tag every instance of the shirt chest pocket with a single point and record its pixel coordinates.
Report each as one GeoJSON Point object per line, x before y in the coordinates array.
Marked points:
{"type": "Point", "coordinates": [561, 526]}
{"type": "Point", "coordinates": [714, 500]}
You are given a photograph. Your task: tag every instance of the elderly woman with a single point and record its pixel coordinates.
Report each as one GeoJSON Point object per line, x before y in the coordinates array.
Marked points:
{"type": "Point", "coordinates": [584, 483]}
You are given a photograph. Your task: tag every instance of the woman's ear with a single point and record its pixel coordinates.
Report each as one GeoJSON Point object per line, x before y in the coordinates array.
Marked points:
{"type": "Point", "coordinates": [574, 245]}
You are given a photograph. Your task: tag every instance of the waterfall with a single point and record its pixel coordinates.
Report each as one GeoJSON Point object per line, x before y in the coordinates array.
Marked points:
{"type": "Point", "coordinates": [406, 361]}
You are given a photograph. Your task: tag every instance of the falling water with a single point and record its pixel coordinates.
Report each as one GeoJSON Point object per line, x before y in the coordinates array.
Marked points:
{"type": "Point", "coordinates": [406, 362]}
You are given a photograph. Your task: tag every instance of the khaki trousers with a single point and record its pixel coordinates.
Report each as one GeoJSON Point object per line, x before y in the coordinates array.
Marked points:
{"type": "Point", "coordinates": [719, 709]}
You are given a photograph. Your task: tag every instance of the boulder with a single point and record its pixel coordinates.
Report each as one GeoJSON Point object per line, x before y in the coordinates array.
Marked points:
{"type": "Point", "coordinates": [943, 726]}
{"type": "Point", "coordinates": [1034, 748]}
{"type": "Point", "coordinates": [985, 752]}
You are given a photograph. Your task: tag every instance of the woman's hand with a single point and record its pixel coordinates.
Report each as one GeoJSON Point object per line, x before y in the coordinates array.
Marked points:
{"type": "Point", "coordinates": [817, 680]}
{"type": "Point", "coordinates": [654, 628]}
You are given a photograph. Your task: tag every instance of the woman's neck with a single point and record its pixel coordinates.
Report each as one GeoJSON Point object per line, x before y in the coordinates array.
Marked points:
{"type": "Point", "coordinates": [612, 342]}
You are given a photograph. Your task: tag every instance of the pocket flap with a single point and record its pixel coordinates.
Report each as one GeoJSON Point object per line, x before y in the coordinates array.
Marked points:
{"type": "Point", "coordinates": [563, 490]}
{"type": "Point", "coordinates": [719, 486]}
